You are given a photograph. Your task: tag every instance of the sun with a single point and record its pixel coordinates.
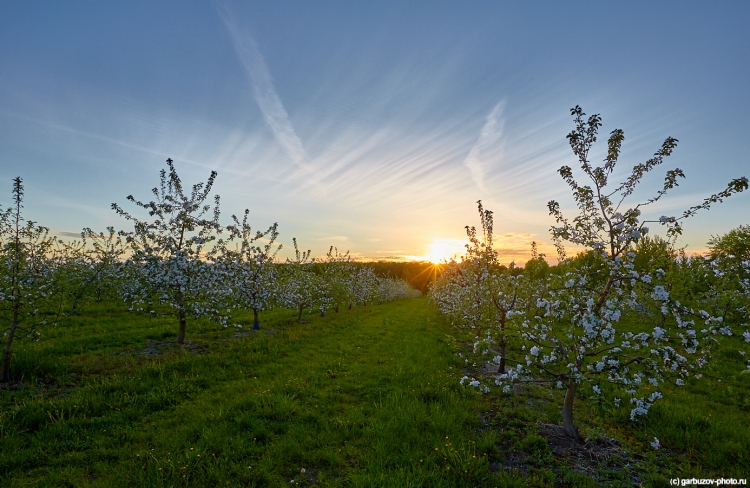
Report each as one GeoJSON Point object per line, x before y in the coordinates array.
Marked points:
{"type": "Point", "coordinates": [441, 250]}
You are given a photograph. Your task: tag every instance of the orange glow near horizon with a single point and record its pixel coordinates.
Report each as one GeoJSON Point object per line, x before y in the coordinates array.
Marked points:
{"type": "Point", "coordinates": [441, 250]}
{"type": "Point", "coordinates": [511, 248]}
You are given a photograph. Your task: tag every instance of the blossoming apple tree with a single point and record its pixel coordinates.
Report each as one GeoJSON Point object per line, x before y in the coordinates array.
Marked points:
{"type": "Point", "coordinates": [91, 265]}
{"type": "Point", "coordinates": [167, 251]}
{"type": "Point", "coordinates": [608, 327]}
{"type": "Point", "coordinates": [480, 293]}
{"type": "Point", "coordinates": [248, 275]}
{"type": "Point", "coordinates": [337, 268]}
{"type": "Point", "coordinates": [360, 286]}
{"type": "Point", "coordinates": [300, 284]}
{"type": "Point", "coordinates": [30, 287]}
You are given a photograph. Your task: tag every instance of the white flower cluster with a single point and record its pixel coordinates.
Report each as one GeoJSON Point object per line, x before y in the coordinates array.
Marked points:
{"type": "Point", "coordinates": [474, 383]}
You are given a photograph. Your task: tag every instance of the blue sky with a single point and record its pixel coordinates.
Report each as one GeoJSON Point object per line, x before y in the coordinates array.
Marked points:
{"type": "Point", "coordinates": [373, 127]}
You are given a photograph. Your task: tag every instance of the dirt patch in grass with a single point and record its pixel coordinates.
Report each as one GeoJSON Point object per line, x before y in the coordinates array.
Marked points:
{"type": "Point", "coordinates": [531, 443]}
{"type": "Point", "coordinates": [592, 455]}
{"type": "Point", "coordinates": [154, 348]}
{"type": "Point", "coordinates": [245, 333]}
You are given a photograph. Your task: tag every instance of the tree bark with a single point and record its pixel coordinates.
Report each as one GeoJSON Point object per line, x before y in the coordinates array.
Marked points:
{"type": "Point", "coordinates": [567, 411]}
{"type": "Point", "coordinates": [503, 346]}
{"type": "Point", "coordinates": [181, 315]}
{"type": "Point", "coordinates": [503, 343]}
{"type": "Point", "coordinates": [299, 316]}
{"type": "Point", "coordinates": [183, 323]}
{"type": "Point", "coordinates": [256, 321]}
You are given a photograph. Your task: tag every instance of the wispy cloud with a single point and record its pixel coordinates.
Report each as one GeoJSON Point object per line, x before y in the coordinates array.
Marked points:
{"type": "Point", "coordinates": [264, 91]}
{"type": "Point", "coordinates": [490, 133]}
{"type": "Point", "coordinates": [65, 233]}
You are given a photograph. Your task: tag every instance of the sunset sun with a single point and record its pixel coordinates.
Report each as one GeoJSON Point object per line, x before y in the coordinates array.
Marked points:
{"type": "Point", "coordinates": [440, 250]}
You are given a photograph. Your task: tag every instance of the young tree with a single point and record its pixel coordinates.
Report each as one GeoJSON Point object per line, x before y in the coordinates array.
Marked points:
{"type": "Point", "coordinates": [718, 282]}
{"type": "Point", "coordinates": [248, 272]}
{"type": "Point", "coordinates": [729, 261]}
{"type": "Point", "coordinates": [168, 249]}
{"type": "Point", "coordinates": [391, 288]}
{"type": "Point", "coordinates": [300, 284]}
{"type": "Point", "coordinates": [574, 337]}
{"type": "Point", "coordinates": [480, 293]}
{"type": "Point", "coordinates": [91, 269]}
{"type": "Point", "coordinates": [336, 272]}
{"type": "Point", "coordinates": [537, 267]}
{"type": "Point", "coordinates": [29, 286]}
{"type": "Point", "coordinates": [732, 250]}
{"type": "Point", "coordinates": [361, 285]}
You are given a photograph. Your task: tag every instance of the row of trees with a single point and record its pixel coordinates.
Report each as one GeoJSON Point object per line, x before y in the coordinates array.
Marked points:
{"type": "Point", "coordinates": [619, 319]}
{"type": "Point", "coordinates": [178, 261]}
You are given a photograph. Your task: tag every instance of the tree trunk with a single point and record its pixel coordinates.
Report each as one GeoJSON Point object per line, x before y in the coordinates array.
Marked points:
{"type": "Point", "coordinates": [337, 308]}
{"type": "Point", "coordinates": [74, 309]}
{"type": "Point", "coordinates": [503, 347]}
{"type": "Point", "coordinates": [183, 323]}
{"type": "Point", "coordinates": [503, 342]}
{"type": "Point", "coordinates": [567, 411]}
{"type": "Point", "coordinates": [6, 353]}
{"type": "Point", "coordinates": [299, 316]}
{"type": "Point", "coordinates": [350, 305]}
{"type": "Point", "coordinates": [181, 315]}
{"type": "Point", "coordinates": [256, 322]}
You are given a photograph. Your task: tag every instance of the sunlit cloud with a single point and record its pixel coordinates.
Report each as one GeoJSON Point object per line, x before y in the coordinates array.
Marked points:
{"type": "Point", "coordinates": [65, 233]}
{"type": "Point", "coordinates": [515, 247]}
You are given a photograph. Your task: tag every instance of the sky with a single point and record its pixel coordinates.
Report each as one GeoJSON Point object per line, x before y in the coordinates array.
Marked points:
{"type": "Point", "coordinates": [374, 127]}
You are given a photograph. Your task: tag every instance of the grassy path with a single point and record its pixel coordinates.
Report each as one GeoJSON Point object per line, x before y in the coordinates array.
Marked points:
{"type": "Point", "coordinates": [362, 398]}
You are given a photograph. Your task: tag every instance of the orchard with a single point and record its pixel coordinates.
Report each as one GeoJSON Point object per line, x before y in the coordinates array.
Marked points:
{"type": "Point", "coordinates": [305, 369]}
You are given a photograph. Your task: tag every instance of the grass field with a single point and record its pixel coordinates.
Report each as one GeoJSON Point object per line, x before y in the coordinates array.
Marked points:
{"type": "Point", "coordinates": [368, 397]}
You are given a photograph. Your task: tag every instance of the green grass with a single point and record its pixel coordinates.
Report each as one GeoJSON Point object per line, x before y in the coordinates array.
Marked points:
{"type": "Point", "coordinates": [368, 397]}
{"type": "Point", "coordinates": [363, 398]}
